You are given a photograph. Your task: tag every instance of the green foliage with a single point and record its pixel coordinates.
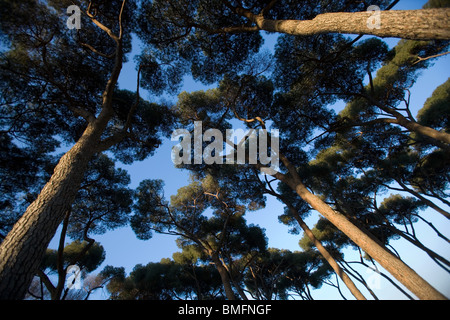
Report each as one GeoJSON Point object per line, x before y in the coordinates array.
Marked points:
{"type": "Point", "coordinates": [149, 207]}
{"type": "Point", "coordinates": [328, 235]}
{"type": "Point", "coordinates": [52, 83]}
{"type": "Point", "coordinates": [23, 171]}
{"type": "Point", "coordinates": [437, 4]}
{"type": "Point", "coordinates": [168, 280]}
{"type": "Point", "coordinates": [150, 122]}
{"type": "Point", "coordinates": [103, 201]}
{"type": "Point", "coordinates": [400, 208]}
{"type": "Point", "coordinates": [178, 40]}
{"type": "Point", "coordinates": [279, 273]}
{"type": "Point", "coordinates": [431, 173]}
{"type": "Point", "coordinates": [199, 36]}
{"type": "Point", "coordinates": [49, 81]}
{"type": "Point", "coordinates": [90, 261]}
{"type": "Point", "coordinates": [185, 215]}
{"type": "Point", "coordinates": [434, 111]}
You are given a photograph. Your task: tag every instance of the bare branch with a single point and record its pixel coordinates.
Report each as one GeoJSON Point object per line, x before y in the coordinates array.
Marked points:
{"type": "Point", "coordinates": [88, 46]}
{"type": "Point", "coordinates": [99, 24]}
{"type": "Point", "coordinates": [136, 103]}
{"type": "Point", "coordinates": [120, 20]}
{"type": "Point", "coordinates": [430, 57]}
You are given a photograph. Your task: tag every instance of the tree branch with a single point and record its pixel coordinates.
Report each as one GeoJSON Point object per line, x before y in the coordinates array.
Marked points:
{"type": "Point", "coordinates": [430, 57]}
{"type": "Point", "coordinates": [100, 25]}
{"type": "Point", "coordinates": [423, 24]}
{"type": "Point", "coordinates": [88, 46]}
{"type": "Point", "coordinates": [120, 20]}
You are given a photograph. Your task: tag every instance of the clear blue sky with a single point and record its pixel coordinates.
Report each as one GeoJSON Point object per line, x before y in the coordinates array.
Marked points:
{"type": "Point", "coordinates": [124, 249]}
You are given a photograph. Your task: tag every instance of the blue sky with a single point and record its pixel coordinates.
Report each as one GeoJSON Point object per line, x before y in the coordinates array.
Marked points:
{"type": "Point", "coordinates": [124, 249]}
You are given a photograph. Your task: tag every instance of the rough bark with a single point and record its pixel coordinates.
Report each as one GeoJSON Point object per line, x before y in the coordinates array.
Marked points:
{"type": "Point", "coordinates": [424, 24]}
{"type": "Point", "coordinates": [24, 247]}
{"type": "Point", "coordinates": [397, 268]}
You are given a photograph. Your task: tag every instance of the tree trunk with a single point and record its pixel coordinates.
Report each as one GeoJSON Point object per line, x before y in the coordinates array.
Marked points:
{"type": "Point", "coordinates": [24, 247]}
{"type": "Point", "coordinates": [239, 290]}
{"type": "Point", "coordinates": [424, 24]}
{"type": "Point", "coordinates": [62, 272]}
{"type": "Point", "coordinates": [423, 130]}
{"type": "Point", "coordinates": [413, 240]}
{"type": "Point", "coordinates": [224, 276]}
{"type": "Point", "coordinates": [412, 126]}
{"type": "Point", "coordinates": [402, 272]}
{"type": "Point", "coordinates": [324, 252]}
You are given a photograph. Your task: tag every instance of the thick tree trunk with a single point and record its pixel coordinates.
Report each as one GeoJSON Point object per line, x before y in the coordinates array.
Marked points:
{"type": "Point", "coordinates": [324, 252]}
{"type": "Point", "coordinates": [23, 248]}
{"type": "Point", "coordinates": [397, 268]}
{"type": "Point", "coordinates": [424, 24]}
{"type": "Point", "coordinates": [402, 272]}
{"type": "Point", "coordinates": [224, 276]}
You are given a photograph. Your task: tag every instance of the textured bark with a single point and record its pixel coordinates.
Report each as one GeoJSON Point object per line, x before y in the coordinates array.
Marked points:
{"type": "Point", "coordinates": [402, 272]}
{"type": "Point", "coordinates": [397, 268]}
{"type": "Point", "coordinates": [424, 24]}
{"type": "Point", "coordinates": [24, 247]}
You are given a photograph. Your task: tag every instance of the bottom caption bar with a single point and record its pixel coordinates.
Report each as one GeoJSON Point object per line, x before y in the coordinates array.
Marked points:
{"type": "Point", "coordinates": [225, 309]}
